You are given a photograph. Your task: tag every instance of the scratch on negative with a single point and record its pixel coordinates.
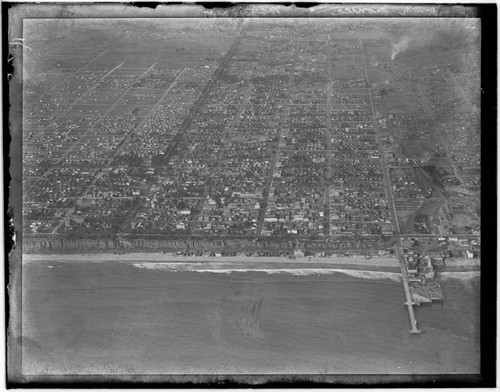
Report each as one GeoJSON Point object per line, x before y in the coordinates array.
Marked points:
{"type": "Point", "coordinates": [20, 43]}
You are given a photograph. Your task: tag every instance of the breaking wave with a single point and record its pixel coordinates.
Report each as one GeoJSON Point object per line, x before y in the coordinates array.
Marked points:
{"type": "Point", "coordinates": [184, 267]}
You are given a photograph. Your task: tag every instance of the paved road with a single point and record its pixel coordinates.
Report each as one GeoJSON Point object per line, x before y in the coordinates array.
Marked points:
{"type": "Point", "coordinates": [328, 136]}
{"type": "Point", "coordinates": [227, 140]}
{"type": "Point", "coordinates": [284, 114]}
{"type": "Point", "coordinates": [395, 223]}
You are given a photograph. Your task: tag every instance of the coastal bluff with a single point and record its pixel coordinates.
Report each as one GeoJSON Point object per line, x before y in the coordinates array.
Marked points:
{"type": "Point", "coordinates": [54, 243]}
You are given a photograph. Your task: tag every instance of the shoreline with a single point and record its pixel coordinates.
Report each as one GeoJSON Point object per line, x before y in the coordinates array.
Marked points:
{"type": "Point", "coordinates": [173, 258]}
{"type": "Point", "coordinates": [241, 262]}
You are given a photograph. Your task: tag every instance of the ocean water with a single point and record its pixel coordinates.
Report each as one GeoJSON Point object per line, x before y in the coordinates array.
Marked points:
{"type": "Point", "coordinates": [134, 318]}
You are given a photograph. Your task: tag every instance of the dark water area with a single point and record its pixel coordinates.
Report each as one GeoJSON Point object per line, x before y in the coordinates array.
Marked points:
{"type": "Point", "coordinates": [113, 318]}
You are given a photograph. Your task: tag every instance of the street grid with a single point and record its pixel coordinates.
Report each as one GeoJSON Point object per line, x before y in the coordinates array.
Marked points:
{"type": "Point", "coordinates": [288, 162]}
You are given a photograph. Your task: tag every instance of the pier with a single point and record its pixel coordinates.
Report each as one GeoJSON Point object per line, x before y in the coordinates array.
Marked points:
{"type": "Point", "coordinates": [388, 188]}
{"type": "Point", "coordinates": [409, 303]}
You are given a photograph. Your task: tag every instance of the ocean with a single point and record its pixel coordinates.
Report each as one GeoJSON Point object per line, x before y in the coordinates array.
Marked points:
{"type": "Point", "coordinates": [135, 318]}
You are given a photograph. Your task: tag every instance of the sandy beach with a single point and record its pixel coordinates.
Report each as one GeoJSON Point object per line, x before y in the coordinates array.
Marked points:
{"type": "Point", "coordinates": [173, 262]}
{"type": "Point", "coordinates": [241, 259]}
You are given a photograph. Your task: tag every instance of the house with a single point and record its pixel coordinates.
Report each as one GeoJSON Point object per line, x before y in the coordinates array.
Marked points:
{"type": "Point", "coordinates": [77, 219]}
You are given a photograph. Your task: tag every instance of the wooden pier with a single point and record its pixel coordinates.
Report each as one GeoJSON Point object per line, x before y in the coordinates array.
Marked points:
{"type": "Point", "coordinates": [409, 303]}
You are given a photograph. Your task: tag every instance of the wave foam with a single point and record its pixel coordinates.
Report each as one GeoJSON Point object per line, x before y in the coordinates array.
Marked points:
{"type": "Point", "coordinates": [184, 267]}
